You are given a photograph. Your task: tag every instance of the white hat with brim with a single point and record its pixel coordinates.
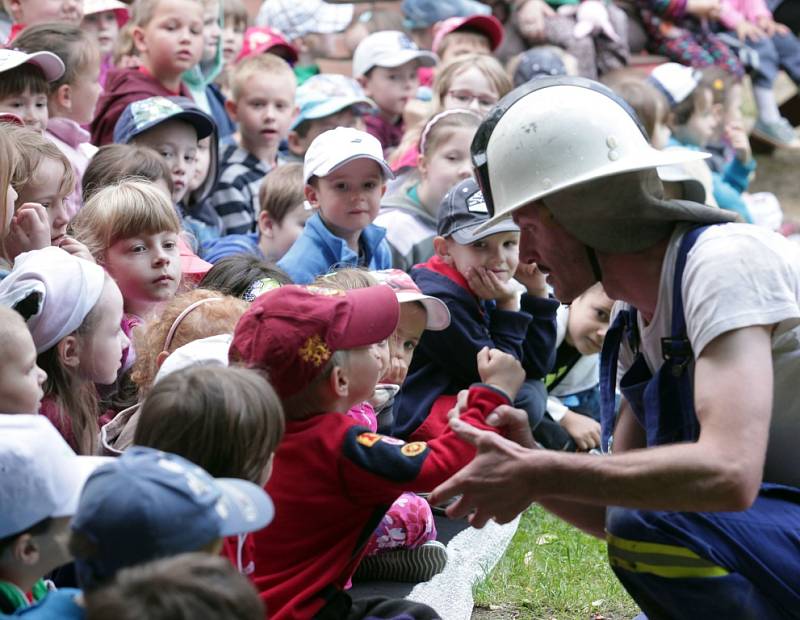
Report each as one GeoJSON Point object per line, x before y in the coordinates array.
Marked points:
{"type": "Point", "coordinates": [334, 148]}
{"type": "Point", "coordinates": [51, 65]}
{"type": "Point", "coordinates": [389, 49]}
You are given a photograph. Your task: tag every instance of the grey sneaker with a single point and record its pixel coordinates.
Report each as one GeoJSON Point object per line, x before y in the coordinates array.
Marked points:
{"type": "Point", "coordinates": [779, 133]}
{"type": "Point", "coordinates": [406, 565]}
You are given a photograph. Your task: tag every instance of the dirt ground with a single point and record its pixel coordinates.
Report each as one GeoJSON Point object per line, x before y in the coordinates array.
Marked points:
{"type": "Point", "coordinates": [779, 173]}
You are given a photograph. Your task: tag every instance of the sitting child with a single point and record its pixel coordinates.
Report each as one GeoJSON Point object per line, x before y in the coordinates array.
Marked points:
{"type": "Point", "coordinates": [174, 126]}
{"type": "Point", "coordinates": [21, 379]}
{"type": "Point", "coordinates": [262, 103]}
{"type": "Point", "coordinates": [573, 403]}
{"type": "Point", "coordinates": [385, 64]}
{"type": "Point", "coordinates": [162, 60]}
{"type": "Point", "coordinates": [72, 97]}
{"type": "Point", "coordinates": [149, 504]}
{"type": "Point", "coordinates": [281, 219]}
{"type": "Point", "coordinates": [39, 490]}
{"type": "Point", "coordinates": [25, 84]}
{"type": "Point", "coordinates": [102, 20]}
{"type": "Point", "coordinates": [188, 586]}
{"type": "Point", "coordinates": [693, 121]}
{"type": "Point", "coordinates": [457, 36]}
{"type": "Point", "coordinates": [73, 311]}
{"type": "Point", "coordinates": [473, 272]}
{"type": "Point", "coordinates": [324, 102]}
{"type": "Point", "coordinates": [319, 347]}
{"type": "Point", "coordinates": [345, 177]}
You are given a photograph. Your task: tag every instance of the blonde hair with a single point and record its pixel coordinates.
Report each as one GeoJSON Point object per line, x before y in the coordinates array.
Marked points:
{"type": "Point", "coordinates": [8, 161]}
{"type": "Point", "coordinates": [32, 149]}
{"type": "Point", "coordinates": [235, 12]}
{"type": "Point", "coordinates": [346, 279]}
{"type": "Point", "coordinates": [260, 64]}
{"type": "Point", "coordinates": [488, 65]}
{"type": "Point", "coordinates": [121, 211]}
{"type": "Point", "coordinates": [142, 11]}
{"type": "Point", "coordinates": [205, 320]}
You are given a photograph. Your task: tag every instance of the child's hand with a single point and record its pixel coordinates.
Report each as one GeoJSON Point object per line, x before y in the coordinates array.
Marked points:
{"type": "Point", "coordinates": [749, 32]}
{"type": "Point", "coordinates": [486, 285]}
{"type": "Point", "coordinates": [585, 431]}
{"type": "Point", "coordinates": [739, 141]}
{"type": "Point", "coordinates": [500, 370]}
{"type": "Point", "coordinates": [76, 248]}
{"type": "Point", "coordinates": [29, 230]}
{"type": "Point", "coordinates": [534, 280]}
{"type": "Point", "coordinates": [512, 422]}
{"type": "Point", "coordinates": [530, 20]}
{"type": "Point", "coordinates": [771, 27]}
{"type": "Point", "coordinates": [703, 8]}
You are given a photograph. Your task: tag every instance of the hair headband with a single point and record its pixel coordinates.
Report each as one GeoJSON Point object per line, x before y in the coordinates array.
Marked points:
{"type": "Point", "coordinates": [179, 319]}
{"type": "Point", "coordinates": [436, 118]}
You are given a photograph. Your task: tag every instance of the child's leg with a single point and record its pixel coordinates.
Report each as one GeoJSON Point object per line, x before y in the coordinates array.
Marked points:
{"type": "Point", "coordinates": [611, 55]}
{"type": "Point", "coordinates": [532, 398]}
{"type": "Point", "coordinates": [764, 77]}
{"type": "Point", "coordinates": [407, 524]}
{"type": "Point", "coordinates": [788, 46]}
{"type": "Point", "coordinates": [558, 31]}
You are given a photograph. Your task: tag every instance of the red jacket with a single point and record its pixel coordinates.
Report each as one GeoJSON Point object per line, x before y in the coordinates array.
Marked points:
{"type": "Point", "coordinates": [122, 87]}
{"type": "Point", "coordinates": [332, 483]}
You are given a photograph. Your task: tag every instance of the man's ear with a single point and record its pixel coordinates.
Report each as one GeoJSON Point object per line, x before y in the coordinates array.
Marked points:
{"type": "Point", "coordinates": [312, 195]}
{"type": "Point", "coordinates": [442, 248]}
{"type": "Point", "coordinates": [69, 349]}
{"type": "Point", "coordinates": [25, 550]}
{"type": "Point", "coordinates": [230, 108]}
{"type": "Point", "coordinates": [63, 96]}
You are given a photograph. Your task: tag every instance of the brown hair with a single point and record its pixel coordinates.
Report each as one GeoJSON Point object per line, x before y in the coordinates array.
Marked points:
{"type": "Point", "coordinates": [122, 211]}
{"type": "Point", "coordinates": [281, 191]}
{"type": "Point", "coordinates": [181, 587]}
{"type": "Point", "coordinates": [33, 148]}
{"type": "Point", "coordinates": [439, 128]}
{"type": "Point", "coordinates": [228, 421]}
{"type": "Point", "coordinates": [76, 49]}
{"type": "Point", "coordinates": [346, 279]}
{"type": "Point", "coordinates": [115, 162]}
{"type": "Point", "coordinates": [75, 397]}
{"type": "Point", "coordinates": [24, 77]}
{"type": "Point", "coordinates": [234, 11]}
{"type": "Point", "coordinates": [309, 400]}
{"type": "Point", "coordinates": [209, 319]}
{"type": "Point", "coordinates": [259, 64]}
{"type": "Point", "coordinates": [233, 275]}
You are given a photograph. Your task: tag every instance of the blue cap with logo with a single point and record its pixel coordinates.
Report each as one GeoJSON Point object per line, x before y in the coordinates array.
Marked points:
{"type": "Point", "coordinates": [139, 116]}
{"type": "Point", "coordinates": [463, 210]}
{"type": "Point", "coordinates": [149, 504]}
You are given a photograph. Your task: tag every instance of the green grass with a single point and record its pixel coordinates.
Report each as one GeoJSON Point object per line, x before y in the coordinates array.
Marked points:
{"type": "Point", "coordinates": [552, 571]}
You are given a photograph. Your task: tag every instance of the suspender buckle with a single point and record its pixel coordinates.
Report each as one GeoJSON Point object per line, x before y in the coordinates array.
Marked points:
{"type": "Point", "coordinates": [677, 352]}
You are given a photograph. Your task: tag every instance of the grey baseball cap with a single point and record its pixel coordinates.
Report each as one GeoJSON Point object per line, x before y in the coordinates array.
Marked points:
{"type": "Point", "coordinates": [463, 210]}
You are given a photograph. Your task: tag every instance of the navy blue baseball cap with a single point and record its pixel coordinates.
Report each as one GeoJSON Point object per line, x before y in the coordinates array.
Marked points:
{"type": "Point", "coordinates": [139, 116]}
{"type": "Point", "coordinates": [149, 504]}
{"type": "Point", "coordinates": [463, 211]}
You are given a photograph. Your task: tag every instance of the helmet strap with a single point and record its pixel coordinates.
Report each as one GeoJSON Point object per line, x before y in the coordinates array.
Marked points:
{"type": "Point", "coordinates": [592, 256]}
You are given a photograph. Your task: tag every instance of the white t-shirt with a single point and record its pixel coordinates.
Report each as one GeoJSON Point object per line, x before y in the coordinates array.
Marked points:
{"type": "Point", "coordinates": [738, 275]}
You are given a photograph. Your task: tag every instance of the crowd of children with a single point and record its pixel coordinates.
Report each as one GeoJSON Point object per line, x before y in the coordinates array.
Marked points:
{"type": "Point", "coordinates": [241, 292]}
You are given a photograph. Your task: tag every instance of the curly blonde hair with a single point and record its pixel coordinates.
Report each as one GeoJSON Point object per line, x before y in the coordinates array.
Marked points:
{"type": "Point", "coordinates": [205, 320]}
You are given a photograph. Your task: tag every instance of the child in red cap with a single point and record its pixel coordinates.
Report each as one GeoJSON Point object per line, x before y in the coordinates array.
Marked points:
{"type": "Point", "coordinates": [333, 479]}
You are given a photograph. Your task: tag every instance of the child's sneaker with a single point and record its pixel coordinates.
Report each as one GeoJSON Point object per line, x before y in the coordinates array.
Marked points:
{"type": "Point", "coordinates": [780, 133]}
{"type": "Point", "coordinates": [407, 565]}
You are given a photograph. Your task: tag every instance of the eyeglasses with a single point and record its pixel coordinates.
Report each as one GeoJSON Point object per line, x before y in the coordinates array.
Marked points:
{"type": "Point", "coordinates": [465, 98]}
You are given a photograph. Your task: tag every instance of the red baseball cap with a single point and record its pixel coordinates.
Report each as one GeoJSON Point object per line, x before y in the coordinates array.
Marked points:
{"type": "Point", "coordinates": [292, 332]}
{"type": "Point", "coordinates": [487, 24]}
{"type": "Point", "coordinates": [260, 39]}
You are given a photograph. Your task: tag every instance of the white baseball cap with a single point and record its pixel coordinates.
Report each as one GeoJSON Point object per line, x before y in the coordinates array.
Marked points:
{"type": "Point", "coordinates": [336, 147]}
{"type": "Point", "coordinates": [675, 81]}
{"type": "Point", "coordinates": [388, 48]}
{"type": "Point", "coordinates": [50, 64]}
{"type": "Point", "coordinates": [40, 475]}
{"type": "Point", "coordinates": [211, 351]}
